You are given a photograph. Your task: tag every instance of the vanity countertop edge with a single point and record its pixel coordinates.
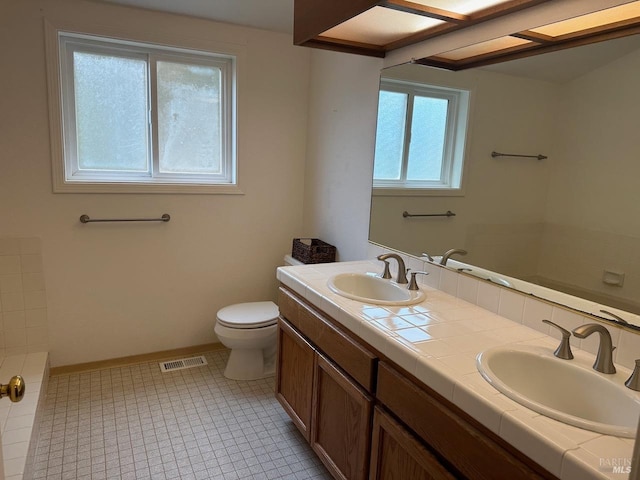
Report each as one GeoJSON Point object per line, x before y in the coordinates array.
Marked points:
{"type": "Point", "coordinates": [446, 363]}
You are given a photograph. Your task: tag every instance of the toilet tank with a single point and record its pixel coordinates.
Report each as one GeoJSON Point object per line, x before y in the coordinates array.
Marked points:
{"type": "Point", "coordinates": [289, 261]}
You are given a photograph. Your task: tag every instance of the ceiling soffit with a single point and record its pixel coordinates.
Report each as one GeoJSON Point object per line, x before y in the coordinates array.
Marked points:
{"type": "Point", "coordinates": [376, 28]}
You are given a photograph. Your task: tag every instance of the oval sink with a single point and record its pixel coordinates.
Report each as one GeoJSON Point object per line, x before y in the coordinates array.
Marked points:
{"type": "Point", "coordinates": [567, 390]}
{"type": "Point", "coordinates": [370, 288]}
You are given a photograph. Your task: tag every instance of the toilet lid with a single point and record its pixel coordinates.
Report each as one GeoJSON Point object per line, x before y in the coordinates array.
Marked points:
{"type": "Point", "coordinates": [249, 315]}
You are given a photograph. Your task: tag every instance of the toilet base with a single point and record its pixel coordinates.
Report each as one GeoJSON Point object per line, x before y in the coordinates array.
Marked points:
{"type": "Point", "coordinates": [244, 364]}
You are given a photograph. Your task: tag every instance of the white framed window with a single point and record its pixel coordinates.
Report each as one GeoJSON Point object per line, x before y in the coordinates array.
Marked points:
{"type": "Point", "coordinates": [420, 139]}
{"type": "Point", "coordinates": [142, 117]}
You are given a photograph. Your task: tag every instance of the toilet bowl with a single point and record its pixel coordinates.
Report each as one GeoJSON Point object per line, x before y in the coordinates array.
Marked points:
{"type": "Point", "coordinates": [249, 330]}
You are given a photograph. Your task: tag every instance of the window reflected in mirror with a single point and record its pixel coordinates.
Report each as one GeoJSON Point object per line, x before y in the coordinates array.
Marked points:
{"type": "Point", "coordinates": [420, 137]}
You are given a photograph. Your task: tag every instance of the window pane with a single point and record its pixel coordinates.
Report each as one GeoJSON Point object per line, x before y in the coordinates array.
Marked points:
{"type": "Point", "coordinates": [111, 112]}
{"type": "Point", "coordinates": [427, 138]}
{"type": "Point", "coordinates": [189, 118]}
{"type": "Point", "coordinates": [392, 109]}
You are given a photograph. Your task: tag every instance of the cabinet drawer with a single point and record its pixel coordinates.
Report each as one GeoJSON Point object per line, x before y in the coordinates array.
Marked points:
{"type": "Point", "coordinates": [290, 308]}
{"type": "Point", "coordinates": [466, 447]}
{"type": "Point", "coordinates": [352, 357]}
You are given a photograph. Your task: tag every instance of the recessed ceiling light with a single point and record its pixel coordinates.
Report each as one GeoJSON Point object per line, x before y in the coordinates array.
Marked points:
{"type": "Point", "coordinates": [377, 27]}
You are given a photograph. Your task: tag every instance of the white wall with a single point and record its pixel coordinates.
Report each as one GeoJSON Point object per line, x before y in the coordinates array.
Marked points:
{"type": "Point", "coordinates": [343, 106]}
{"type": "Point", "coordinates": [121, 289]}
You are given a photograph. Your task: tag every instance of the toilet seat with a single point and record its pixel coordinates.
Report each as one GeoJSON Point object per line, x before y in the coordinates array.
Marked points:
{"type": "Point", "coordinates": [249, 315]}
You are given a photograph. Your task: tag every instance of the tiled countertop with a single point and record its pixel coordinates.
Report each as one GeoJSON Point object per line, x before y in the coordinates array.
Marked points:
{"type": "Point", "coordinates": [438, 340]}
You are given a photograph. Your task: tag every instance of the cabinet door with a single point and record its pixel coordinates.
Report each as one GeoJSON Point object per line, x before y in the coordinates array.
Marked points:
{"type": "Point", "coordinates": [468, 447]}
{"type": "Point", "coordinates": [341, 422]}
{"type": "Point", "coordinates": [294, 376]}
{"type": "Point", "coordinates": [397, 455]}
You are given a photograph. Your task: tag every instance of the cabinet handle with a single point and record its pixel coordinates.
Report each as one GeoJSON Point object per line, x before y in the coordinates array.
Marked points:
{"type": "Point", "coordinates": [564, 349]}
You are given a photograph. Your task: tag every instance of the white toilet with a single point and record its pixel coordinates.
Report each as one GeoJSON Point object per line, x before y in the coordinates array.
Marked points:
{"type": "Point", "coordinates": [249, 330]}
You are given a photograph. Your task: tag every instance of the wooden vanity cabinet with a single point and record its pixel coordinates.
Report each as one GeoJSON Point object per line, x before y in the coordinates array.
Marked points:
{"type": "Point", "coordinates": [329, 407]}
{"type": "Point", "coordinates": [367, 418]}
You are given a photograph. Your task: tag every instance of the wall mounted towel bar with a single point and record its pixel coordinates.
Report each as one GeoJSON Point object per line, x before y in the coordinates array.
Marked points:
{"type": "Point", "coordinates": [449, 213]}
{"type": "Point", "coordinates": [498, 154]}
{"type": "Point", "coordinates": [85, 219]}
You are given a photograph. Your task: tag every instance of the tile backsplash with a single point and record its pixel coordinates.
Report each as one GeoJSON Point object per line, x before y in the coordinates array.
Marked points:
{"type": "Point", "coordinates": [23, 303]}
{"type": "Point", "coordinates": [520, 308]}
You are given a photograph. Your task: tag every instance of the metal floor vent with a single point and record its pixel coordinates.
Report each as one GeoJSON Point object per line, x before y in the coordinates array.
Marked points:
{"type": "Point", "coordinates": [182, 363]}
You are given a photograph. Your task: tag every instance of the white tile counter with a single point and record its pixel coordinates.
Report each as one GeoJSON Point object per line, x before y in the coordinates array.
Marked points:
{"type": "Point", "coordinates": [438, 340]}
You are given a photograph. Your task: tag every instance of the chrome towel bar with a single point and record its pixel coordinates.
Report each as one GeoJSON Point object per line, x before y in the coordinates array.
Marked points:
{"type": "Point", "coordinates": [85, 219]}
{"type": "Point", "coordinates": [498, 154]}
{"type": "Point", "coordinates": [449, 213]}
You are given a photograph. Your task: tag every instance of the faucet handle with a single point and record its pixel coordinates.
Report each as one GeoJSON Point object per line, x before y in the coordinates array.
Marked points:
{"type": "Point", "coordinates": [564, 349]}
{"type": "Point", "coordinates": [615, 317]}
{"type": "Point", "coordinates": [429, 257]}
{"type": "Point", "coordinates": [413, 285]}
{"type": "Point", "coordinates": [386, 273]}
{"type": "Point", "coordinates": [633, 382]}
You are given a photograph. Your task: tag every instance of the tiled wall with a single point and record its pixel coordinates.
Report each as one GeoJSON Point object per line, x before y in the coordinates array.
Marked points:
{"type": "Point", "coordinates": [19, 422]}
{"type": "Point", "coordinates": [23, 305]}
{"type": "Point", "coordinates": [521, 308]}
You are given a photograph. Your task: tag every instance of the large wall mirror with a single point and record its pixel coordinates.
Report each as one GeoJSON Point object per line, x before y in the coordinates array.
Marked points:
{"type": "Point", "coordinates": [571, 221]}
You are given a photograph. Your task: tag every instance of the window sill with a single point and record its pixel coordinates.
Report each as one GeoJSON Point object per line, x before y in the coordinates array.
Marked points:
{"type": "Point", "coordinates": [418, 192]}
{"type": "Point", "coordinates": [162, 188]}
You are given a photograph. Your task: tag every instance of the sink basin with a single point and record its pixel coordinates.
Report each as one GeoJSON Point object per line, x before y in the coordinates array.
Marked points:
{"type": "Point", "coordinates": [567, 390]}
{"type": "Point", "coordinates": [370, 288]}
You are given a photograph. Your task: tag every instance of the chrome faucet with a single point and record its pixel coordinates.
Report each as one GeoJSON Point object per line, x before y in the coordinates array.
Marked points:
{"type": "Point", "coordinates": [604, 359]}
{"type": "Point", "coordinates": [448, 253]}
{"type": "Point", "coordinates": [402, 270]}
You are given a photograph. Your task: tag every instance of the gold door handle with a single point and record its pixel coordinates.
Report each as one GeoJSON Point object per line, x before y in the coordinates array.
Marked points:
{"type": "Point", "coordinates": [14, 389]}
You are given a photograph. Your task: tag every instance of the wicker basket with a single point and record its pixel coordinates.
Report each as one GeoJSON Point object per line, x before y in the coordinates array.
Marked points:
{"type": "Point", "coordinates": [313, 250]}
